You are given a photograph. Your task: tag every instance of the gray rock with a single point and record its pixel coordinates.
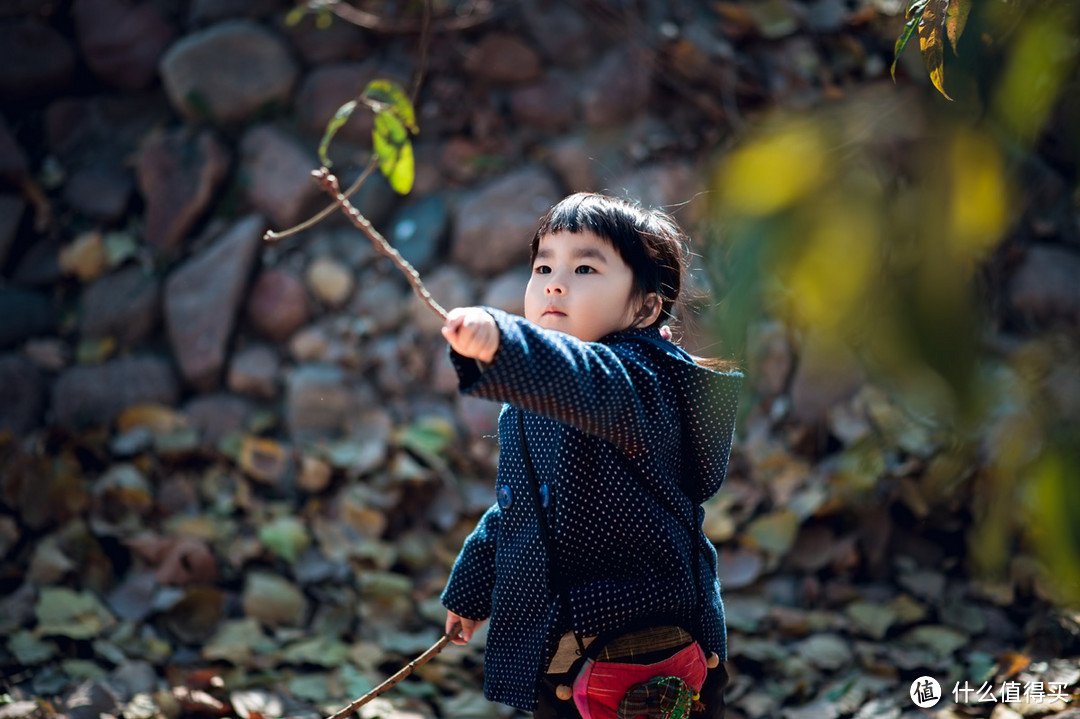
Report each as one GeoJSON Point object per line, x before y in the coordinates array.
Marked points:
{"type": "Point", "coordinates": [279, 176]}
{"type": "Point", "coordinates": [325, 89]}
{"type": "Point", "coordinates": [1044, 289]}
{"type": "Point", "coordinates": [216, 415]}
{"type": "Point", "coordinates": [11, 213]}
{"type": "Point", "coordinates": [317, 402]}
{"type": "Point", "coordinates": [381, 302]}
{"type": "Point", "coordinates": [451, 287]}
{"type": "Point", "coordinates": [340, 42]}
{"type": "Point", "coordinates": [103, 130]}
{"type": "Point", "coordinates": [664, 187]}
{"type": "Point", "coordinates": [36, 59]}
{"type": "Point", "coordinates": [278, 305]}
{"type": "Point", "coordinates": [573, 158]}
{"type": "Point", "coordinates": [39, 265]}
{"type": "Point", "coordinates": [90, 700]}
{"type": "Point", "coordinates": [90, 395]}
{"type": "Point", "coordinates": [503, 58]}
{"type": "Point", "coordinates": [507, 292]}
{"type": "Point", "coordinates": [228, 73]}
{"type": "Point", "coordinates": [25, 314]}
{"type": "Point", "coordinates": [134, 677]}
{"type": "Point", "coordinates": [562, 33]}
{"type": "Point", "coordinates": [618, 89]}
{"type": "Point", "coordinates": [255, 371]}
{"type": "Point", "coordinates": [179, 174]}
{"type": "Point", "coordinates": [548, 106]}
{"type": "Point", "coordinates": [121, 41]}
{"type": "Point", "coordinates": [125, 305]}
{"type": "Point", "coordinates": [202, 298]}
{"type": "Point", "coordinates": [205, 12]}
{"type": "Point", "coordinates": [418, 229]}
{"type": "Point", "coordinates": [99, 192]}
{"type": "Point", "coordinates": [495, 224]}
{"type": "Point", "coordinates": [22, 394]}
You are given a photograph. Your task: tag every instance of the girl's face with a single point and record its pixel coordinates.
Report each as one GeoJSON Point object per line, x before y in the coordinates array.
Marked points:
{"type": "Point", "coordinates": [579, 285]}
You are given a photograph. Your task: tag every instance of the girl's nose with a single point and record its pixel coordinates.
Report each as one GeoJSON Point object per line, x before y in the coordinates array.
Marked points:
{"type": "Point", "coordinates": [555, 286]}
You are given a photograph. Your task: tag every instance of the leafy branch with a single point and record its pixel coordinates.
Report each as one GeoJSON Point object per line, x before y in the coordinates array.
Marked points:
{"type": "Point", "coordinates": [933, 20]}
{"type": "Point", "coordinates": [392, 152]}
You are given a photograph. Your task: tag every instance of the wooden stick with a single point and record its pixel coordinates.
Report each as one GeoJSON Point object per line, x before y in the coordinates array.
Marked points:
{"type": "Point", "coordinates": [329, 183]}
{"type": "Point", "coordinates": [404, 672]}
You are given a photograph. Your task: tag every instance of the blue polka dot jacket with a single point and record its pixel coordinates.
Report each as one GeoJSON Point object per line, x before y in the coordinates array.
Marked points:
{"type": "Point", "coordinates": [601, 420]}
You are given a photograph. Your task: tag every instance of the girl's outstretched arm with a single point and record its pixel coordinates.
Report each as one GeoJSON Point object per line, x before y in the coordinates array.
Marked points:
{"type": "Point", "coordinates": [609, 391]}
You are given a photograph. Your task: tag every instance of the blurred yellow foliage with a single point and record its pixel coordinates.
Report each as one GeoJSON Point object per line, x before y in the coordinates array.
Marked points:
{"type": "Point", "coordinates": [979, 197]}
{"type": "Point", "coordinates": [774, 170]}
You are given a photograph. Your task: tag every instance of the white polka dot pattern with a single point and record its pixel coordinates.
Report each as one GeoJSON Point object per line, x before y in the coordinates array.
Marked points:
{"type": "Point", "coordinates": [592, 409]}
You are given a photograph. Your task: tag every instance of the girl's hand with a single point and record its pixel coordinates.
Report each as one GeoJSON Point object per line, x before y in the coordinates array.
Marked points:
{"type": "Point", "coordinates": [468, 626]}
{"type": "Point", "coordinates": [472, 332]}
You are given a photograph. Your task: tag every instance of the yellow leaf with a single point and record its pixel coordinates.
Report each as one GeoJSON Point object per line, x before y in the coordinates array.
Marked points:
{"type": "Point", "coordinates": [158, 418]}
{"type": "Point", "coordinates": [85, 257]}
{"type": "Point", "coordinates": [957, 20]}
{"type": "Point", "coordinates": [263, 459]}
{"type": "Point", "coordinates": [931, 42]}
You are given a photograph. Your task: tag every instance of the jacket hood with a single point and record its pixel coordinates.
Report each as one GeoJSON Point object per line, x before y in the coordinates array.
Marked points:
{"type": "Point", "coordinates": [708, 403]}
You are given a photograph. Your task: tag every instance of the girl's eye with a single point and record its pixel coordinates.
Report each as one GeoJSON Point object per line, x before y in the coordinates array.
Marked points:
{"type": "Point", "coordinates": [541, 269]}
{"type": "Point", "coordinates": [584, 270]}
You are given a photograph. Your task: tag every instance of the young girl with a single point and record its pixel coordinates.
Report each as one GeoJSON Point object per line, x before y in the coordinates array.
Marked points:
{"type": "Point", "coordinates": [610, 439]}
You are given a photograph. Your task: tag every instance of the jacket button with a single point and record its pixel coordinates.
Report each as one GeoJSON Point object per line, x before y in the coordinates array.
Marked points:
{"type": "Point", "coordinates": [505, 496]}
{"type": "Point", "coordinates": [545, 496]}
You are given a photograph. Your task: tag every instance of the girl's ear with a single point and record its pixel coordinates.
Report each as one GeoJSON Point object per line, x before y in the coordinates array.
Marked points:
{"type": "Point", "coordinates": [649, 310]}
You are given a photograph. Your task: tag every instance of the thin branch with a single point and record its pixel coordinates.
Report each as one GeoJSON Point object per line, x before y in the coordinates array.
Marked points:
{"type": "Point", "coordinates": [328, 210]}
{"type": "Point", "coordinates": [371, 21]}
{"type": "Point", "coordinates": [414, 93]}
{"type": "Point", "coordinates": [404, 672]}
{"type": "Point", "coordinates": [329, 184]}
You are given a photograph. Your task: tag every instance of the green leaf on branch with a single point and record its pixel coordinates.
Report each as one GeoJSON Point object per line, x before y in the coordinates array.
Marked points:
{"type": "Point", "coordinates": [914, 15]}
{"type": "Point", "coordinates": [390, 141]}
{"type": "Point", "coordinates": [395, 120]}
{"type": "Point", "coordinates": [340, 118]}
{"type": "Point", "coordinates": [388, 96]}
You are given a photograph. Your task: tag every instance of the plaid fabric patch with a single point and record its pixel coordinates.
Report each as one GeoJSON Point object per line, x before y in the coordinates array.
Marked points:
{"type": "Point", "coordinates": [658, 698]}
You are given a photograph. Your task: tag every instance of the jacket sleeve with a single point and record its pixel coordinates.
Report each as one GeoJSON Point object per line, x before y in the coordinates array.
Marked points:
{"type": "Point", "coordinates": [472, 580]}
{"type": "Point", "coordinates": [603, 390]}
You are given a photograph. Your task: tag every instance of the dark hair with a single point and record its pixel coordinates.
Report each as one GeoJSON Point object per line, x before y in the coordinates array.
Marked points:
{"type": "Point", "coordinates": [649, 241]}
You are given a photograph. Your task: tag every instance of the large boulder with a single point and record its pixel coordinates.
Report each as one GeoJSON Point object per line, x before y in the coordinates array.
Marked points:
{"type": "Point", "coordinates": [97, 394]}
{"type": "Point", "coordinates": [228, 73]}
{"type": "Point", "coordinates": [278, 172]}
{"type": "Point", "coordinates": [35, 60]}
{"type": "Point", "coordinates": [179, 174]}
{"type": "Point", "coordinates": [202, 298]}
{"type": "Point", "coordinates": [121, 41]}
{"type": "Point", "coordinates": [495, 223]}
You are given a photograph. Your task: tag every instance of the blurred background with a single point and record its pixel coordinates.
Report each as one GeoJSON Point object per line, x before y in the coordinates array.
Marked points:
{"type": "Point", "coordinates": [234, 473]}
